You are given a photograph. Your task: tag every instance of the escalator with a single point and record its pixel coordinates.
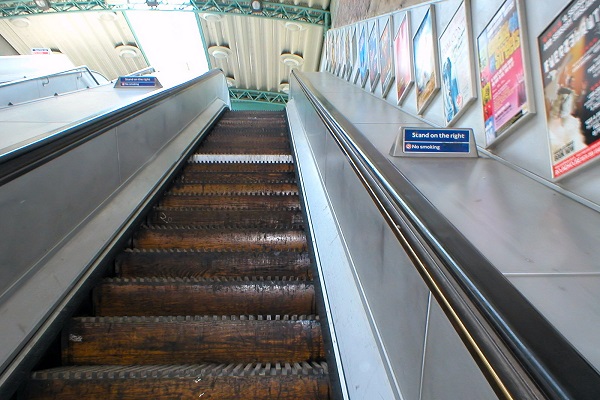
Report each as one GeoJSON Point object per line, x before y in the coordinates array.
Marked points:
{"type": "Point", "coordinates": [214, 298]}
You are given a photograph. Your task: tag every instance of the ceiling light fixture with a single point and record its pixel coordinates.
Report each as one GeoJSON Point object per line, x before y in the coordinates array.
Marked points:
{"type": "Point", "coordinates": [293, 26]}
{"type": "Point", "coordinates": [291, 60]}
{"type": "Point", "coordinates": [211, 17]}
{"type": "Point", "coordinates": [127, 51]}
{"type": "Point", "coordinates": [21, 22]}
{"type": "Point", "coordinates": [219, 52]}
{"type": "Point", "coordinates": [42, 4]}
{"type": "Point", "coordinates": [256, 6]}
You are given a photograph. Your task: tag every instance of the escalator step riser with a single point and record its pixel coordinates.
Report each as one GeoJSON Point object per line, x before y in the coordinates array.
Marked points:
{"type": "Point", "coordinates": [241, 150]}
{"type": "Point", "coordinates": [156, 238]}
{"type": "Point", "coordinates": [231, 167]}
{"type": "Point", "coordinates": [237, 177]}
{"type": "Point", "coordinates": [125, 297]}
{"type": "Point", "coordinates": [164, 340]}
{"type": "Point", "coordinates": [299, 387]}
{"type": "Point", "coordinates": [223, 188]}
{"type": "Point", "coordinates": [212, 264]}
{"type": "Point", "coordinates": [238, 218]}
{"type": "Point", "coordinates": [248, 201]}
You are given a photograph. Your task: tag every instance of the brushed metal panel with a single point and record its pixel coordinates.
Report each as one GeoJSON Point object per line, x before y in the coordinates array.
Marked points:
{"type": "Point", "coordinates": [43, 206]}
{"type": "Point", "coordinates": [449, 371]}
{"type": "Point", "coordinates": [571, 303]}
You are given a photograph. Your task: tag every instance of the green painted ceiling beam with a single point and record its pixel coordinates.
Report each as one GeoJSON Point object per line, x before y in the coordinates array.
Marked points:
{"type": "Point", "coordinates": [13, 8]}
{"type": "Point", "coordinates": [258, 96]}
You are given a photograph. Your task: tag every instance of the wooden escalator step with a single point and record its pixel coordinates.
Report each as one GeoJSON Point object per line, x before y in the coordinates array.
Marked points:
{"type": "Point", "coordinates": [206, 264]}
{"type": "Point", "coordinates": [239, 200]}
{"type": "Point", "coordinates": [224, 188]}
{"type": "Point", "coordinates": [284, 381]}
{"type": "Point", "coordinates": [225, 217]}
{"type": "Point", "coordinates": [220, 296]}
{"type": "Point", "coordinates": [168, 237]}
{"type": "Point", "coordinates": [191, 339]}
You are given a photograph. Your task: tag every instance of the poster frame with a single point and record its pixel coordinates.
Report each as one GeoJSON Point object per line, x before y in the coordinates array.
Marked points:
{"type": "Point", "coordinates": [363, 57]}
{"type": "Point", "coordinates": [387, 62]}
{"type": "Point", "coordinates": [374, 66]}
{"type": "Point", "coordinates": [405, 62]}
{"type": "Point", "coordinates": [528, 108]}
{"type": "Point", "coordinates": [461, 56]}
{"type": "Point", "coordinates": [427, 23]}
{"type": "Point", "coordinates": [578, 156]}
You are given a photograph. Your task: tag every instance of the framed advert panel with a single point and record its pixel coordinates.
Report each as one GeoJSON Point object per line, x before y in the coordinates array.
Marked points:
{"type": "Point", "coordinates": [403, 58]}
{"type": "Point", "coordinates": [386, 57]}
{"type": "Point", "coordinates": [458, 81]}
{"type": "Point", "coordinates": [506, 95]}
{"type": "Point", "coordinates": [571, 80]}
{"type": "Point", "coordinates": [363, 57]}
{"type": "Point", "coordinates": [373, 58]}
{"type": "Point", "coordinates": [425, 57]}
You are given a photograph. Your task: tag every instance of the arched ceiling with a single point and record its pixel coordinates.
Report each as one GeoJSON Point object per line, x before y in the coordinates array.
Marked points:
{"type": "Point", "coordinates": [255, 49]}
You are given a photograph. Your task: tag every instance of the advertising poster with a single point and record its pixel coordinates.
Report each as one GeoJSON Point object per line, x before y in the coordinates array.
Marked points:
{"type": "Point", "coordinates": [387, 76]}
{"type": "Point", "coordinates": [373, 58]}
{"type": "Point", "coordinates": [348, 52]}
{"type": "Point", "coordinates": [502, 66]}
{"type": "Point", "coordinates": [403, 57]}
{"type": "Point", "coordinates": [353, 56]}
{"type": "Point", "coordinates": [363, 68]}
{"type": "Point", "coordinates": [570, 59]}
{"type": "Point", "coordinates": [425, 58]}
{"type": "Point", "coordinates": [456, 62]}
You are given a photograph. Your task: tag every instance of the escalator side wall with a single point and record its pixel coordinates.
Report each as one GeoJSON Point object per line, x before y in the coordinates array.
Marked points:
{"type": "Point", "coordinates": [59, 218]}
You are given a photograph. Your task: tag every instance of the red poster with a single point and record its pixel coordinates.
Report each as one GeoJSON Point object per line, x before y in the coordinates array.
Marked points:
{"type": "Point", "coordinates": [570, 60]}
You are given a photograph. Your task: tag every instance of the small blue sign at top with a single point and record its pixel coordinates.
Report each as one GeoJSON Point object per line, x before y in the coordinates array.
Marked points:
{"type": "Point", "coordinates": [137, 81]}
{"type": "Point", "coordinates": [431, 140]}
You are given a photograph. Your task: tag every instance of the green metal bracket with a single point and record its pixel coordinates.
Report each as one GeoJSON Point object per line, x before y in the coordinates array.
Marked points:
{"type": "Point", "coordinates": [258, 96]}
{"type": "Point", "coordinates": [13, 8]}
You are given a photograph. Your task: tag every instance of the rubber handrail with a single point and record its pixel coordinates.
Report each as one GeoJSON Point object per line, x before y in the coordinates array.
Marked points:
{"type": "Point", "coordinates": [518, 350]}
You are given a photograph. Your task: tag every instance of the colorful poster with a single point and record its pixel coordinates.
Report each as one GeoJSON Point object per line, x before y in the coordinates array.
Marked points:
{"type": "Point", "coordinates": [456, 61]}
{"type": "Point", "coordinates": [570, 61]}
{"type": "Point", "coordinates": [425, 58]}
{"type": "Point", "coordinates": [387, 76]}
{"type": "Point", "coordinates": [353, 56]}
{"type": "Point", "coordinates": [403, 57]}
{"type": "Point", "coordinates": [502, 66]}
{"type": "Point", "coordinates": [349, 61]}
{"type": "Point", "coordinates": [363, 57]}
{"type": "Point", "coordinates": [373, 58]}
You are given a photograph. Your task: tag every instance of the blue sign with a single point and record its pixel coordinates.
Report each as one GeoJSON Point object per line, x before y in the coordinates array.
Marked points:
{"type": "Point", "coordinates": [432, 140]}
{"type": "Point", "coordinates": [137, 81]}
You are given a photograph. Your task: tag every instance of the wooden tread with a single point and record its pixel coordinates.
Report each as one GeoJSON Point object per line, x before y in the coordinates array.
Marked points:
{"type": "Point", "coordinates": [191, 339]}
{"type": "Point", "coordinates": [285, 381]}
{"type": "Point", "coordinates": [206, 264]}
{"type": "Point", "coordinates": [168, 296]}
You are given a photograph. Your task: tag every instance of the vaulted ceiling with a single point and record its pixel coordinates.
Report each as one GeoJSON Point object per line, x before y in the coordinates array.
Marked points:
{"type": "Point", "coordinates": [255, 47]}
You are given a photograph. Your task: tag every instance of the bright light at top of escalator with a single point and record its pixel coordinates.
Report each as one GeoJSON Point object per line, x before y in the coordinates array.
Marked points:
{"type": "Point", "coordinates": [170, 40]}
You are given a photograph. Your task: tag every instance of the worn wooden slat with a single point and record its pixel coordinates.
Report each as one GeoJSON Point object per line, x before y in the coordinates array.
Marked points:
{"type": "Point", "coordinates": [231, 167]}
{"type": "Point", "coordinates": [245, 201]}
{"type": "Point", "coordinates": [299, 387]}
{"type": "Point", "coordinates": [238, 218]}
{"type": "Point", "coordinates": [191, 264]}
{"type": "Point", "coordinates": [259, 188]}
{"type": "Point", "coordinates": [121, 297]}
{"type": "Point", "coordinates": [232, 381]}
{"type": "Point", "coordinates": [237, 177]}
{"type": "Point", "coordinates": [219, 239]}
{"type": "Point", "coordinates": [164, 340]}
